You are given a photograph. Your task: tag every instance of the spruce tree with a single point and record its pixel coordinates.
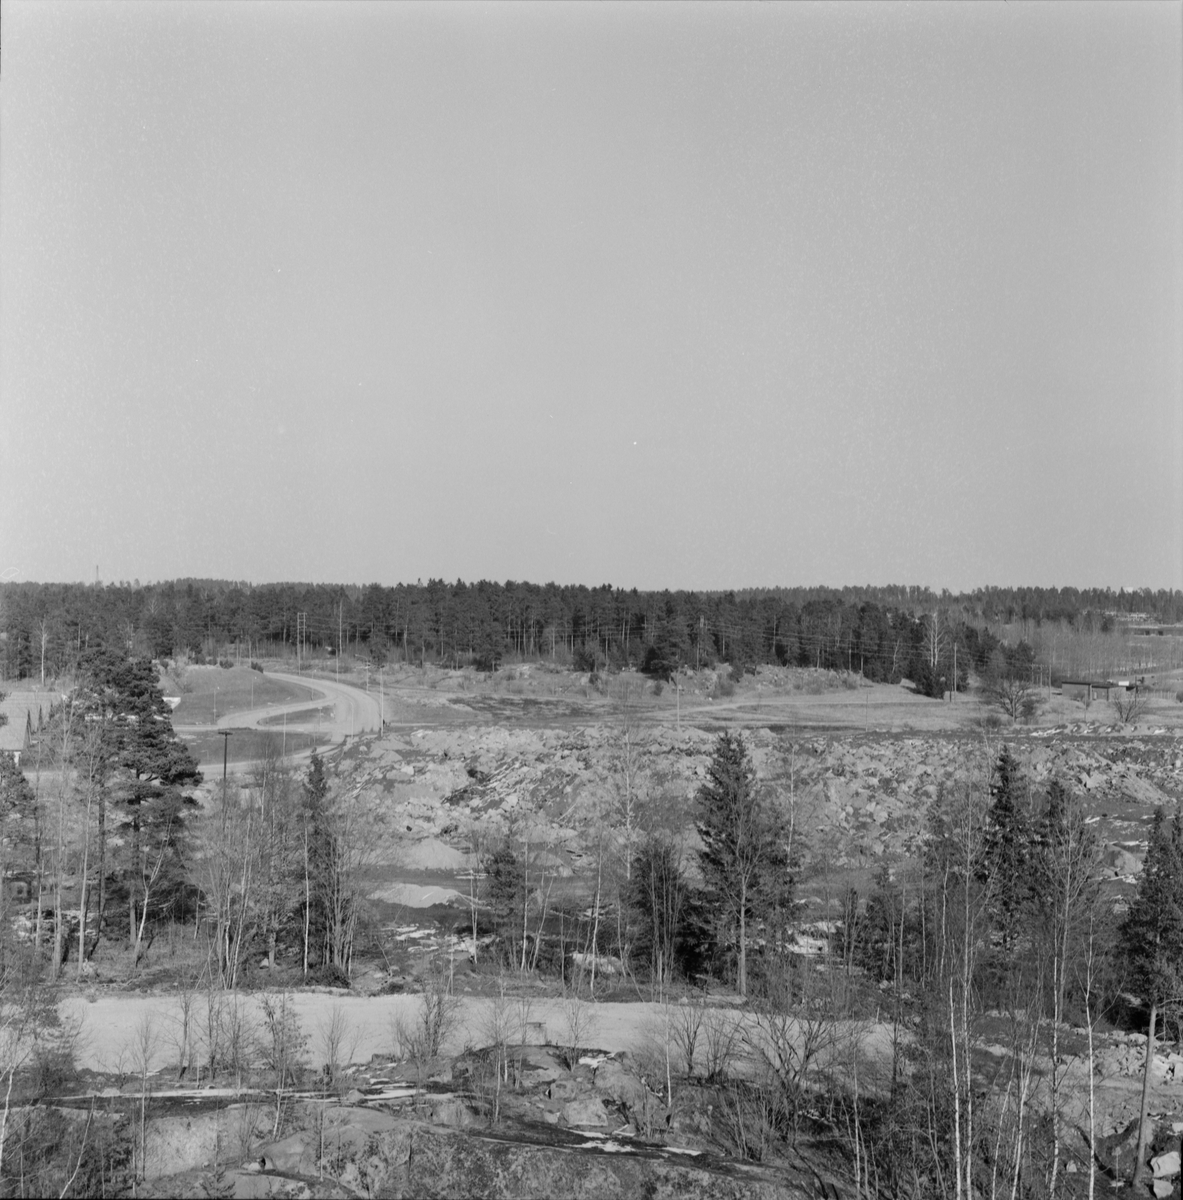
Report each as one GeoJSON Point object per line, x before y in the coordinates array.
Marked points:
{"type": "Point", "coordinates": [744, 863]}
{"type": "Point", "coordinates": [1007, 855]}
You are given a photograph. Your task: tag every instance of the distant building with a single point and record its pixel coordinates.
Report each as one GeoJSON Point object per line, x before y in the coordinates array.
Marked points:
{"type": "Point", "coordinates": [1089, 689]}
{"type": "Point", "coordinates": [25, 711]}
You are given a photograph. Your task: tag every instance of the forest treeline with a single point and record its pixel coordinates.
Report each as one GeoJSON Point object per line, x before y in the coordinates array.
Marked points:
{"type": "Point", "coordinates": [885, 633]}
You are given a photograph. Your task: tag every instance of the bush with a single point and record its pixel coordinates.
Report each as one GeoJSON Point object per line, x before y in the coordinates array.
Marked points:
{"type": "Point", "coordinates": [423, 1035]}
{"type": "Point", "coordinates": [659, 687]}
{"type": "Point", "coordinates": [51, 1070]}
{"type": "Point", "coordinates": [225, 663]}
{"type": "Point", "coordinates": [328, 975]}
{"type": "Point", "coordinates": [584, 659]}
{"type": "Point", "coordinates": [282, 1044]}
{"type": "Point", "coordinates": [256, 666]}
{"type": "Point", "coordinates": [1179, 697]}
{"type": "Point", "coordinates": [724, 688]}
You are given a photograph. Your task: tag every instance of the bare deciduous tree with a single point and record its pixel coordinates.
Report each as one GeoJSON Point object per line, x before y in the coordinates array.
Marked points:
{"type": "Point", "coordinates": [1131, 705]}
{"type": "Point", "coordinates": [1013, 695]}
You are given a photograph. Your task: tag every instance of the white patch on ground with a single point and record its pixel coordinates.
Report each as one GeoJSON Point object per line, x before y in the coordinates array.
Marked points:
{"type": "Point", "coordinates": [413, 895]}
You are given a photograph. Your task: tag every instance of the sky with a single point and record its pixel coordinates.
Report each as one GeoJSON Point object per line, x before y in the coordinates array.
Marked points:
{"type": "Point", "coordinates": [688, 296]}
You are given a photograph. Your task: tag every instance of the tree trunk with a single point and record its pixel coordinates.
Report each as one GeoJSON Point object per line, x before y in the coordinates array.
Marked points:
{"type": "Point", "coordinates": [98, 930]}
{"type": "Point", "coordinates": [307, 898]}
{"type": "Point", "coordinates": [743, 939]}
{"type": "Point", "coordinates": [1140, 1153]}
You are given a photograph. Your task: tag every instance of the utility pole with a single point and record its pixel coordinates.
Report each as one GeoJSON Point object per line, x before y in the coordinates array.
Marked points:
{"type": "Point", "coordinates": [301, 637]}
{"type": "Point", "coordinates": [953, 689]}
{"type": "Point", "coordinates": [225, 736]}
{"type": "Point", "coordinates": [340, 617]}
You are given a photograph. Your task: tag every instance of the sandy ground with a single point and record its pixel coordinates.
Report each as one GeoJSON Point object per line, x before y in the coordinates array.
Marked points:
{"type": "Point", "coordinates": [113, 1027]}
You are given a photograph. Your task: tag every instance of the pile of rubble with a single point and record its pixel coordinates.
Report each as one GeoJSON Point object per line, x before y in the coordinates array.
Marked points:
{"type": "Point", "coordinates": [858, 798]}
{"type": "Point", "coordinates": [1126, 1056]}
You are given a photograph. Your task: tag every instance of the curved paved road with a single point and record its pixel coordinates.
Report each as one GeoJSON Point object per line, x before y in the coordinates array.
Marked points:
{"type": "Point", "coordinates": [353, 710]}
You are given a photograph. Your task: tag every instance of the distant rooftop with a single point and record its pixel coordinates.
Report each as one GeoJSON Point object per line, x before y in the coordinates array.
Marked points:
{"type": "Point", "coordinates": [19, 706]}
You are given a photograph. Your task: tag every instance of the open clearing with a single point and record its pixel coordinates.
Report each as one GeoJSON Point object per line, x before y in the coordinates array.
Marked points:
{"type": "Point", "coordinates": [218, 692]}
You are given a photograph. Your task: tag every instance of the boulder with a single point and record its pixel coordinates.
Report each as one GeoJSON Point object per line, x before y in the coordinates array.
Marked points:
{"type": "Point", "coordinates": [614, 1080]}
{"type": "Point", "coordinates": [563, 1089]}
{"type": "Point", "coordinates": [1165, 1166]}
{"type": "Point", "coordinates": [538, 1065]}
{"type": "Point", "coordinates": [452, 1112]}
{"type": "Point", "coordinates": [182, 1143]}
{"type": "Point", "coordinates": [586, 1111]}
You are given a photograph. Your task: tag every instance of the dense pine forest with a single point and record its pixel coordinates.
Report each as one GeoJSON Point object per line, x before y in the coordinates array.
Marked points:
{"type": "Point", "coordinates": [885, 633]}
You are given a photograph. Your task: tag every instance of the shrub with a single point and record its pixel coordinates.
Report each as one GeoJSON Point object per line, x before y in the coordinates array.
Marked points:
{"type": "Point", "coordinates": [583, 659]}
{"type": "Point", "coordinates": [1179, 697]}
{"type": "Point", "coordinates": [422, 1035]}
{"type": "Point", "coordinates": [282, 1043]}
{"type": "Point", "coordinates": [724, 688]}
{"type": "Point", "coordinates": [225, 663]}
{"type": "Point", "coordinates": [51, 1070]}
{"type": "Point", "coordinates": [659, 687]}
{"type": "Point", "coordinates": [256, 666]}
{"type": "Point", "coordinates": [328, 975]}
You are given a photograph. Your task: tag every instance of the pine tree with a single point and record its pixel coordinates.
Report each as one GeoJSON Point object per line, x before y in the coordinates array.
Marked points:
{"type": "Point", "coordinates": [142, 767]}
{"type": "Point", "coordinates": [1151, 940]}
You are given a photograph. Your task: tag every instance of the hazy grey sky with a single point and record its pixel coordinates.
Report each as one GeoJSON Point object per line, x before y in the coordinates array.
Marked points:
{"type": "Point", "coordinates": [669, 296]}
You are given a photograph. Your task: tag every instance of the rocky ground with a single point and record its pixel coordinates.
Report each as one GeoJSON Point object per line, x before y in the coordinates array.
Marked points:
{"type": "Point", "coordinates": [549, 767]}
{"type": "Point", "coordinates": [517, 1119]}
{"type": "Point", "coordinates": [859, 799]}
{"type": "Point", "coordinates": [549, 1124]}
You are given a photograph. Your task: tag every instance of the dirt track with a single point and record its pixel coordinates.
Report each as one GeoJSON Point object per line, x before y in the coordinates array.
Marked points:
{"type": "Point", "coordinates": [338, 712]}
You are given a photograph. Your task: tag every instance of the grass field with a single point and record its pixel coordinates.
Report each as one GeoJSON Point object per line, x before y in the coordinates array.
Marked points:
{"type": "Point", "coordinates": [248, 745]}
{"type": "Point", "coordinates": [216, 691]}
{"type": "Point", "coordinates": [304, 716]}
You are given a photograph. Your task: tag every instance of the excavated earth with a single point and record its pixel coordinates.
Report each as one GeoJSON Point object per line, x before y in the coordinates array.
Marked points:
{"type": "Point", "coordinates": [856, 799]}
